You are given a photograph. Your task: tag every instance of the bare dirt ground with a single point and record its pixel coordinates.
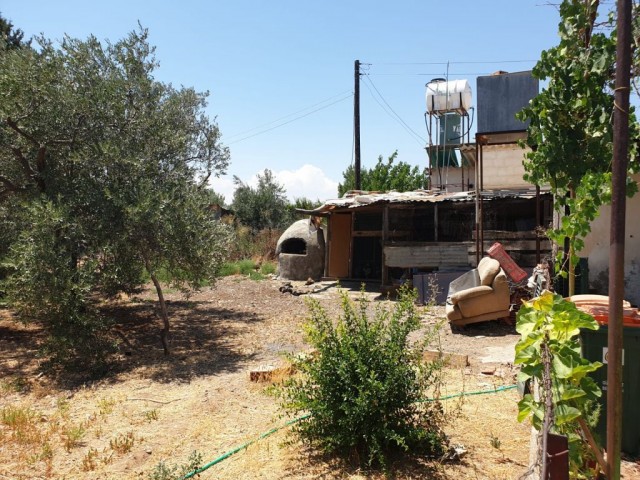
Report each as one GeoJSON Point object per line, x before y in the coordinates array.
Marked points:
{"type": "Point", "coordinates": [154, 409]}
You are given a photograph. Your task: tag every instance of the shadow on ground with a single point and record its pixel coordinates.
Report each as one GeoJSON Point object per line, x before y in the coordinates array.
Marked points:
{"type": "Point", "coordinates": [312, 464]}
{"type": "Point", "coordinates": [494, 328]}
{"type": "Point", "coordinates": [201, 340]}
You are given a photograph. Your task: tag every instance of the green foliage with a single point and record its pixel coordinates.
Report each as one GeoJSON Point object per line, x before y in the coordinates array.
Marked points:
{"type": "Point", "coordinates": [241, 267]}
{"type": "Point", "coordinates": [268, 268]}
{"type": "Point", "coordinates": [248, 268]}
{"type": "Point", "coordinates": [163, 471]}
{"type": "Point", "coordinates": [554, 323]}
{"type": "Point", "coordinates": [305, 203]}
{"type": "Point", "coordinates": [245, 267]}
{"type": "Point", "coordinates": [10, 37]}
{"type": "Point", "coordinates": [571, 126]}
{"type": "Point", "coordinates": [51, 286]}
{"type": "Point", "coordinates": [362, 387]}
{"type": "Point", "coordinates": [121, 161]}
{"type": "Point", "coordinates": [384, 177]}
{"type": "Point", "coordinates": [263, 207]}
{"type": "Point", "coordinates": [214, 197]}
{"type": "Point", "coordinates": [259, 245]}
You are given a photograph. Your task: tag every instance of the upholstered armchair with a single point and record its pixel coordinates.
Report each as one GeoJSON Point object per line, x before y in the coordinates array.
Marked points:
{"type": "Point", "coordinates": [479, 295]}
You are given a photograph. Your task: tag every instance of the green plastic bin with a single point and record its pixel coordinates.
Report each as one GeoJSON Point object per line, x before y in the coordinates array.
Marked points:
{"type": "Point", "coordinates": [594, 348]}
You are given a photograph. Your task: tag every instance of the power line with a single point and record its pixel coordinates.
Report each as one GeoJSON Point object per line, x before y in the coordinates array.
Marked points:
{"type": "Point", "coordinates": [429, 74]}
{"type": "Point", "coordinates": [456, 63]}
{"type": "Point", "coordinates": [287, 116]}
{"type": "Point", "coordinates": [393, 113]}
{"type": "Point", "coordinates": [289, 121]}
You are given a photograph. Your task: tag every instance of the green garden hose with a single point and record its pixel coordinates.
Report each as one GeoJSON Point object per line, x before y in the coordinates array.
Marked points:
{"type": "Point", "coordinates": [296, 420]}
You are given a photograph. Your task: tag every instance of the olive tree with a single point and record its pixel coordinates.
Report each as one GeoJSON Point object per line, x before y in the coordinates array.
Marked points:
{"type": "Point", "coordinates": [262, 207]}
{"type": "Point", "coordinates": [121, 159]}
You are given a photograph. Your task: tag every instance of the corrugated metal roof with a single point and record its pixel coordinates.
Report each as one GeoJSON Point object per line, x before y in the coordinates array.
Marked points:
{"type": "Point", "coordinates": [357, 199]}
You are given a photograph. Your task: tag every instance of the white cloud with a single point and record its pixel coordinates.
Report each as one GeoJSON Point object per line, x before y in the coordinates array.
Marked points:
{"type": "Point", "coordinates": [224, 186]}
{"type": "Point", "coordinates": [307, 181]}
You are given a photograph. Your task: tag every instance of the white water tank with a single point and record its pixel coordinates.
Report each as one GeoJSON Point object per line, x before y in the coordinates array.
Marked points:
{"type": "Point", "coordinates": [451, 96]}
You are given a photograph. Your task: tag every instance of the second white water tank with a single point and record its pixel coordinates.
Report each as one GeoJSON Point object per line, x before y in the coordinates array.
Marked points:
{"type": "Point", "coordinates": [443, 96]}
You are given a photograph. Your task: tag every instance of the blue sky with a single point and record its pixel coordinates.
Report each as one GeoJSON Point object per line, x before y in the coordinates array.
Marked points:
{"type": "Point", "coordinates": [280, 73]}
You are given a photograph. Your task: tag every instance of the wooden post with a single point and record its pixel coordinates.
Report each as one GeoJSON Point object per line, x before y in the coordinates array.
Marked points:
{"type": "Point", "coordinates": [356, 123]}
{"type": "Point", "coordinates": [617, 241]}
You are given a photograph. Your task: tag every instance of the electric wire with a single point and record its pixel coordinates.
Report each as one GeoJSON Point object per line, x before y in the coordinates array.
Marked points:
{"type": "Point", "coordinates": [304, 417]}
{"type": "Point", "coordinates": [244, 132]}
{"type": "Point", "coordinates": [391, 112]}
{"type": "Point", "coordinates": [430, 74]}
{"type": "Point", "coordinates": [474, 62]}
{"type": "Point", "coordinates": [291, 121]}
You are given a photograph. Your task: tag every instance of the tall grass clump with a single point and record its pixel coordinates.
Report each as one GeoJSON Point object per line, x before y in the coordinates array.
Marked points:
{"type": "Point", "coordinates": [362, 390]}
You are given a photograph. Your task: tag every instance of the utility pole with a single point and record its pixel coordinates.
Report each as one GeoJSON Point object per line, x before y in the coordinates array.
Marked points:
{"type": "Point", "coordinates": [617, 240]}
{"type": "Point", "coordinates": [356, 123]}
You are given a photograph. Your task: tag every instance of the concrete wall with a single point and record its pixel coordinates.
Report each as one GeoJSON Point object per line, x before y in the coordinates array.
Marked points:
{"type": "Point", "coordinates": [502, 169]}
{"type": "Point", "coordinates": [597, 250]}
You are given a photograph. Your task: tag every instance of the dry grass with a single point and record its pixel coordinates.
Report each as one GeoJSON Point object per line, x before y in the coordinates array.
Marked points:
{"type": "Point", "coordinates": [155, 409]}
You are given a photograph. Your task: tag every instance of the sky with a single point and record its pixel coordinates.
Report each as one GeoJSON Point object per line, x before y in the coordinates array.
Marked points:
{"type": "Point", "coordinates": [280, 73]}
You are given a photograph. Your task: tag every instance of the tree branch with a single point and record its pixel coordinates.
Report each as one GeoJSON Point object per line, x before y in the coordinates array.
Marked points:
{"type": "Point", "coordinates": [14, 126]}
{"type": "Point", "coordinates": [28, 170]}
{"type": "Point", "coordinates": [8, 183]}
{"type": "Point", "coordinates": [592, 443]}
{"type": "Point", "coordinates": [592, 15]}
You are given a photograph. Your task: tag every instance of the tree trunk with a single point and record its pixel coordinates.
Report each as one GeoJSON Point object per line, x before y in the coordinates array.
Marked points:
{"type": "Point", "coordinates": [164, 335]}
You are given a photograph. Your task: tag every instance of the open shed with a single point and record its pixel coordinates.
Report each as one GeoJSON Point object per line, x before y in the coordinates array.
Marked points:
{"type": "Point", "coordinates": [385, 236]}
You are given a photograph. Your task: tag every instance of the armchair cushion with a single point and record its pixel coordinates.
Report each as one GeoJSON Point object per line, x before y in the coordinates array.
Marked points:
{"type": "Point", "coordinates": [470, 293]}
{"type": "Point", "coordinates": [488, 268]}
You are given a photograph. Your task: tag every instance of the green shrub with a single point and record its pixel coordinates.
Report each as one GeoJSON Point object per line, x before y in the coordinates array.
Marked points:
{"type": "Point", "coordinates": [229, 268]}
{"type": "Point", "coordinates": [241, 267]}
{"type": "Point", "coordinates": [246, 267]}
{"type": "Point", "coordinates": [50, 285]}
{"type": "Point", "coordinates": [363, 388]}
{"type": "Point", "coordinates": [163, 471]}
{"type": "Point", "coordinates": [254, 244]}
{"type": "Point", "coordinates": [268, 268]}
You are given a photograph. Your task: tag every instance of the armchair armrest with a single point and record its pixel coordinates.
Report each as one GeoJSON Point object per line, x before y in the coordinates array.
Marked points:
{"type": "Point", "coordinates": [470, 293]}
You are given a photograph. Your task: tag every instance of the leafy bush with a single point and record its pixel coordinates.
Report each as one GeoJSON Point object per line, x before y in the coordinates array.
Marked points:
{"type": "Point", "coordinates": [246, 267]}
{"type": "Point", "coordinates": [260, 245]}
{"type": "Point", "coordinates": [163, 471]}
{"type": "Point", "coordinates": [362, 390]}
{"type": "Point", "coordinates": [268, 268]}
{"type": "Point", "coordinates": [549, 352]}
{"type": "Point", "coordinates": [50, 285]}
{"type": "Point", "coordinates": [241, 267]}
{"type": "Point", "coordinates": [229, 268]}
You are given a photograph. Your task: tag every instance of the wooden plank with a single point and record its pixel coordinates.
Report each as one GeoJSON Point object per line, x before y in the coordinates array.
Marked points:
{"type": "Point", "coordinates": [523, 245]}
{"type": "Point", "coordinates": [339, 245]}
{"type": "Point", "coordinates": [449, 359]}
{"type": "Point", "coordinates": [426, 256]}
{"type": "Point", "coordinates": [506, 235]}
{"type": "Point", "coordinates": [427, 244]}
{"type": "Point", "coordinates": [367, 233]}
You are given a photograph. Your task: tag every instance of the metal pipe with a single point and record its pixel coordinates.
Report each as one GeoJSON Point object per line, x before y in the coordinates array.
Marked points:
{"type": "Point", "coordinates": [475, 171]}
